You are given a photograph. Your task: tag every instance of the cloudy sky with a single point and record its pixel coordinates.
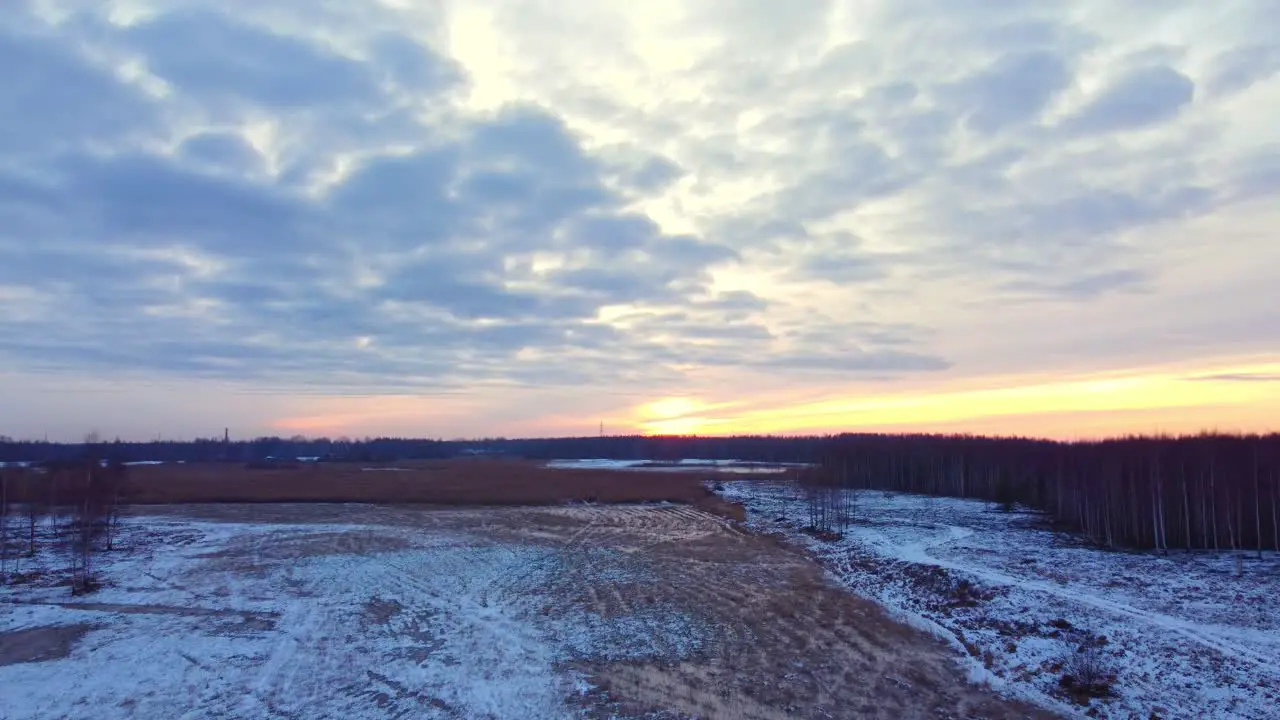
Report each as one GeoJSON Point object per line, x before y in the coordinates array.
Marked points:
{"type": "Point", "coordinates": [458, 218]}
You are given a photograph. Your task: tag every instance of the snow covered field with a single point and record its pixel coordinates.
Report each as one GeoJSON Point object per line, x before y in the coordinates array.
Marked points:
{"type": "Point", "coordinates": [1184, 636]}
{"type": "Point", "coordinates": [312, 611]}
{"type": "Point", "coordinates": [738, 467]}
{"type": "Point", "coordinates": [249, 620]}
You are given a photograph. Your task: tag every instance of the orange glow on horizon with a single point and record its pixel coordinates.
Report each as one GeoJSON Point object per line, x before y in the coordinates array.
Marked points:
{"type": "Point", "coordinates": [1240, 396]}
{"type": "Point", "coordinates": [1233, 398]}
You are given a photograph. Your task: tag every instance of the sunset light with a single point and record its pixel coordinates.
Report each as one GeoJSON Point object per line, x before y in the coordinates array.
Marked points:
{"type": "Point", "coordinates": [554, 359]}
{"type": "Point", "coordinates": [438, 219]}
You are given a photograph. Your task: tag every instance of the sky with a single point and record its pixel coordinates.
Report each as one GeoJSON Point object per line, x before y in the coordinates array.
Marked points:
{"type": "Point", "coordinates": [443, 218]}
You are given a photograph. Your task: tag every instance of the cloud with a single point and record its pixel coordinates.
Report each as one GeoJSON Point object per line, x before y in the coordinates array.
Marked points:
{"type": "Point", "coordinates": [1013, 89]}
{"type": "Point", "coordinates": [1086, 287]}
{"type": "Point", "coordinates": [226, 151]}
{"type": "Point", "coordinates": [58, 99]}
{"type": "Point", "coordinates": [255, 66]}
{"type": "Point", "coordinates": [437, 196]}
{"type": "Point", "coordinates": [1240, 68]}
{"type": "Point", "coordinates": [207, 261]}
{"type": "Point", "coordinates": [1141, 98]}
{"type": "Point", "coordinates": [1238, 377]}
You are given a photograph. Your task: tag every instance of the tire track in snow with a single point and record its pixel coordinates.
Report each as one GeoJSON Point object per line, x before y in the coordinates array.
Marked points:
{"type": "Point", "coordinates": [919, 553]}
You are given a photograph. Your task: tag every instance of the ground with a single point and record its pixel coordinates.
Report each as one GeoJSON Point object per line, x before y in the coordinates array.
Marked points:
{"type": "Point", "coordinates": [1184, 635]}
{"type": "Point", "coordinates": [369, 611]}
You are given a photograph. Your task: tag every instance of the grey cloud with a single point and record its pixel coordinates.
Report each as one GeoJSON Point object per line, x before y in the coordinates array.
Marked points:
{"type": "Point", "coordinates": [733, 305]}
{"type": "Point", "coordinates": [839, 258]}
{"type": "Point", "coordinates": [1238, 377]}
{"type": "Point", "coordinates": [613, 235]}
{"type": "Point", "coordinates": [399, 201]}
{"type": "Point", "coordinates": [251, 64]}
{"type": "Point", "coordinates": [1143, 97]}
{"type": "Point", "coordinates": [893, 95]}
{"type": "Point", "coordinates": [223, 151]}
{"type": "Point", "coordinates": [655, 174]}
{"type": "Point", "coordinates": [863, 171]}
{"type": "Point", "coordinates": [845, 268]}
{"type": "Point", "coordinates": [1240, 68]}
{"type": "Point", "coordinates": [152, 200]}
{"type": "Point", "coordinates": [415, 244]}
{"type": "Point", "coordinates": [502, 187]}
{"type": "Point", "coordinates": [411, 65]}
{"type": "Point", "coordinates": [532, 138]}
{"type": "Point", "coordinates": [701, 328]}
{"type": "Point", "coordinates": [54, 98]}
{"type": "Point", "coordinates": [1013, 89]}
{"type": "Point", "coordinates": [1098, 283]}
{"type": "Point", "coordinates": [114, 279]}
{"type": "Point", "coordinates": [875, 361]}
{"type": "Point", "coordinates": [1033, 35]}
{"type": "Point", "coordinates": [472, 296]}
{"type": "Point", "coordinates": [829, 333]}
{"type": "Point", "coordinates": [1258, 175]}
{"type": "Point", "coordinates": [1098, 214]}
{"type": "Point", "coordinates": [288, 297]}
{"type": "Point", "coordinates": [612, 286]}
{"type": "Point", "coordinates": [1085, 287]}
{"type": "Point", "coordinates": [689, 251]}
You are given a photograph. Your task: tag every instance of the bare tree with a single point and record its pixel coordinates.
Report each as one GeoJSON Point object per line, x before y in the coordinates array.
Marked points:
{"type": "Point", "coordinates": [92, 488]}
{"type": "Point", "coordinates": [4, 525]}
{"type": "Point", "coordinates": [32, 507]}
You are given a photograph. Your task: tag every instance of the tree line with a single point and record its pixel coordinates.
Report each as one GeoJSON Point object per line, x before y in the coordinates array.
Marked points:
{"type": "Point", "coordinates": [384, 449]}
{"type": "Point", "coordinates": [1203, 492]}
{"type": "Point", "coordinates": [1208, 491]}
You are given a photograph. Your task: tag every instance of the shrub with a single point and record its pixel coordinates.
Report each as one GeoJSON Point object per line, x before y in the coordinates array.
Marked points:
{"type": "Point", "coordinates": [1086, 674]}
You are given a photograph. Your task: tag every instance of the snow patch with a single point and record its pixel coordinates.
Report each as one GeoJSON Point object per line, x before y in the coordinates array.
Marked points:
{"type": "Point", "coordinates": [1182, 631]}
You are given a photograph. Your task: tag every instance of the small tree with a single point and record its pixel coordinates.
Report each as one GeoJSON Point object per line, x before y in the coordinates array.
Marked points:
{"type": "Point", "coordinates": [92, 488]}
{"type": "Point", "coordinates": [115, 478]}
{"type": "Point", "coordinates": [4, 525]}
{"type": "Point", "coordinates": [32, 508]}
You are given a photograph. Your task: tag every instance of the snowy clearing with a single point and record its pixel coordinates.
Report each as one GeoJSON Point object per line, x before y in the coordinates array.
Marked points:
{"type": "Point", "coordinates": [359, 611]}
{"type": "Point", "coordinates": [735, 467]}
{"type": "Point", "coordinates": [1185, 637]}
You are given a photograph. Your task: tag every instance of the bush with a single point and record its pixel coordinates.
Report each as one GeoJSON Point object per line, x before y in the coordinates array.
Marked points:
{"type": "Point", "coordinates": [1086, 674]}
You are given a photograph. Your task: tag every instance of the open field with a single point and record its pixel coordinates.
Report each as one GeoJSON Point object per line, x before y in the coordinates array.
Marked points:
{"type": "Point", "coordinates": [1184, 636]}
{"type": "Point", "coordinates": [366, 611]}
{"type": "Point", "coordinates": [687, 465]}
{"type": "Point", "coordinates": [440, 482]}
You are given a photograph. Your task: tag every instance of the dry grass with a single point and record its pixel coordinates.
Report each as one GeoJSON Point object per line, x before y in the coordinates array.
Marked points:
{"type": "Point", "coordinates": [443, 482]}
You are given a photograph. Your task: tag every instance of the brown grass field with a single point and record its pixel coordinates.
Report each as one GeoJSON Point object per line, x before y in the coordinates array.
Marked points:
{"type": "Point", "coordinates": [427, 482]}
{"type": "Point", "coordinates": [437, 482]}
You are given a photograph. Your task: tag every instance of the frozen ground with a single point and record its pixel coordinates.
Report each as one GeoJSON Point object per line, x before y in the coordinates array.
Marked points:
{"type": "Point", "coordinates": [738, 467]}
{"type": "Point", "coordinates": [1185, 637]}
{"type": "Point", "coordinates": [354, 612]}
{"type": "Point", "coordinates": [429, 624]}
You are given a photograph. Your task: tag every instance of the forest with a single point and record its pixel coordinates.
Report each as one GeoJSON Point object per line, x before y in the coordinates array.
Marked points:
{"type": "Point", "coordinates": [1203, 492]}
